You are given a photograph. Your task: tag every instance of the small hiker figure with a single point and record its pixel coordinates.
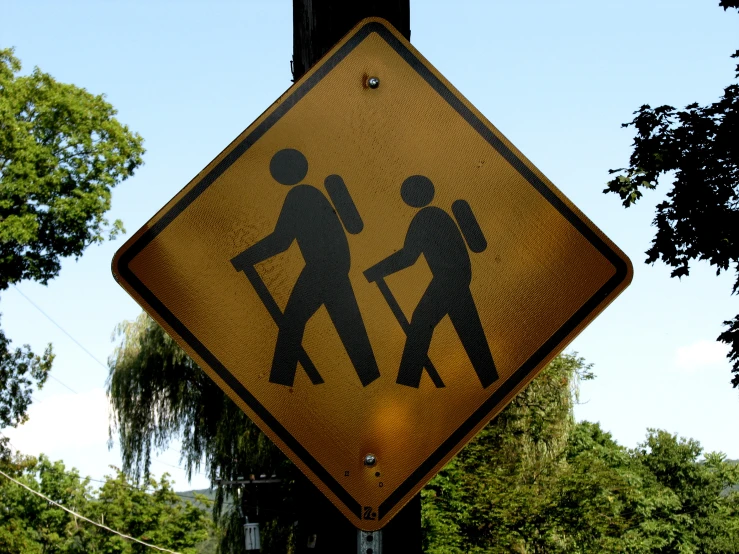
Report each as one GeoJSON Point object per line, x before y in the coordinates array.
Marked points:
{"type": "Point", "coordinates": [308, 217]}
{"type": "Point", "coordinates": [435, 234]}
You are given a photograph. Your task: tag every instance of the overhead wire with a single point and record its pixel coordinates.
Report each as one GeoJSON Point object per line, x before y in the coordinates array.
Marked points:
{"type": "Point", "coordinates": [62, 329]}
{"type": "Point", "coordinates": [102, 526]}
{"type": "Point", "coordinates": [62, 383]}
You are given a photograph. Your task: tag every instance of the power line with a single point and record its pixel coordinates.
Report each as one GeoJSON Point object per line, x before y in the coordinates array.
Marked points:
{"type": "Point", "coordinates": [157, 460]}
{"type": "Point", "coordinates": [62, 329]}
{"type": "Point", "coordinates": [85, 518]}
{"type": "Point", "coordinates": [62, 384]}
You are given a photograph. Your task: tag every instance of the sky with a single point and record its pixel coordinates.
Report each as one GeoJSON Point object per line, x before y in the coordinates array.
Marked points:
{"type": "Point", "coordinates": [557, 78]}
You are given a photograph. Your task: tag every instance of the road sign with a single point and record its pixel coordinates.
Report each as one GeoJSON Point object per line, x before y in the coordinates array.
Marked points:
{"type": "Point", "coordinates": [371, 271]}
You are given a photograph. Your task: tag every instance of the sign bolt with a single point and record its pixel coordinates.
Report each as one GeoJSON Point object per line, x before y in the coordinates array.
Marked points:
{"type": "Point", "coordinates": [370, 460]}
{"type": "Point", "coordinates": [373, 82]}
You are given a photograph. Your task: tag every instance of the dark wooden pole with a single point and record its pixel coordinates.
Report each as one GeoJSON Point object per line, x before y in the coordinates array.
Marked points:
{"type": "Point", "coordinates": [322, 529]}
{"type": "Point", "coordinates": [317, 26]}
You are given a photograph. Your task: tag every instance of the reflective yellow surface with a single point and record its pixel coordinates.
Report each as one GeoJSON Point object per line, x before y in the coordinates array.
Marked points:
{"type": "Point", "coordinates": [538, 270]}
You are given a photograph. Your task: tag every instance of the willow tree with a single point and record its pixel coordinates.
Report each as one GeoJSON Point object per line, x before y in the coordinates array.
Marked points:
{"type": "Point", "coordinates": [159, 394]}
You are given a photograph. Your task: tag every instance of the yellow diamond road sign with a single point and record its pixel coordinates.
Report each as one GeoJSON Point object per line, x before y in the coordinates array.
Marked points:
{"type": "Point", "coordinates": [371, 271]}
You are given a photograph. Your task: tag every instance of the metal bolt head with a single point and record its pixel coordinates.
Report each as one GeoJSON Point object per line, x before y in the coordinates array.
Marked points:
{"type": "Point", "coordinates": [373, 82]}
{"type": "Point", "coordinates": [370, 460]}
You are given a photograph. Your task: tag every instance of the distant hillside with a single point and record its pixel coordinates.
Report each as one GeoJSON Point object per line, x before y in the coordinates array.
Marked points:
{"type": "Point", "coordinates": [189, 496]}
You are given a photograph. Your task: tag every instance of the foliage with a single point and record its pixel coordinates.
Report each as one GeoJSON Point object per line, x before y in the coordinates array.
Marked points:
{"type": "Point", "coordinates": [703, 518]}
{"type": "Point", "coordinates": [534, 481]}
{"type": "Point", "coordinates": [157, 516]}
{"type": "Point", "coordinates": [152, 513]}
{"type": "Point", "coordinates": [698, 147]}
{"type": "Point", "coordinates": [595, 496]}
{"type": "Point", "coordinates": [61, 153]}
{"type": "Point", "coordinates": [19, 370]}
{"type": "Point", "coordinates": [16, 535]}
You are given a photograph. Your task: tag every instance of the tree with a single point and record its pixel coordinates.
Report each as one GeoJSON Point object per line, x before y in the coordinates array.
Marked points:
{"type": "Point", "coordinates": [149, 511]}
{"type": "Point", "coordinates": [16, 536]}
{"type": "Point", "coordinates": [703, 518]}
{"type": "Point", "coordinates": [61, 153]}
{"type": "Point", "coordinates": [593, 495]}
{"type": "Point", "coordinates": [19, 370]}
{"type": "Point", "coordinates": [532, 481]}
{"type": "Point", "coordinates": [700, 218]}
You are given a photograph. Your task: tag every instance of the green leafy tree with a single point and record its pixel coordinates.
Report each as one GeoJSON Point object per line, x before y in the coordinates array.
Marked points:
{"type": "Point", "coordinates": [597, 484]}
{"type": "Point", "coordinates": [593, 496]}
{"type": "Point", "coordinates": [39, 526]}
{"type": "Point", "coordinates": [16, 535]}
{"type": "Point", "coordinates": [153, 514]}
{"type": "Point", "coordinates": [698, 147]}
{"type": "Point", "coordinates": [605, 500]}
{"type": "Point", "coordinates": [704, 517]}
{"type": "Point", "coordinates": [149, 511]}
{"type": "Point", "coordinates": [61, 153]}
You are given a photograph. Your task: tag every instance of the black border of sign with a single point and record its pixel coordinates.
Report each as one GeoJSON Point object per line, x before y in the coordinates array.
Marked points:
{"type": "Point", "coordinates": [396, 496]}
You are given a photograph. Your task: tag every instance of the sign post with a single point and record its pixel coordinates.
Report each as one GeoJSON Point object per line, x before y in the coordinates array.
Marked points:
{"type": "Point", "coordinates": [371, 271]}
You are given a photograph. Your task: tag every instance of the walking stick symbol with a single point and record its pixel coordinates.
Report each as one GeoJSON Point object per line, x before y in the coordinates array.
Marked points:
{"type": "Point", "coordinates": [400, 316]}
{"type": "Point", "coordinates": [274, 310]}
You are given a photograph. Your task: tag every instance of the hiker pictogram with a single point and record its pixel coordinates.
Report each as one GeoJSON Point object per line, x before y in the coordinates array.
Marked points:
{"type": "Point", "coordinates": [436, 235]}
{"type": "Point", "coordinates": [309, 218]}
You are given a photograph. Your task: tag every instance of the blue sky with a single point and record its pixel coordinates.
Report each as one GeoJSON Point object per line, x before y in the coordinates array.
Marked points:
{"type": "Point", "coordinates": [557, 78]}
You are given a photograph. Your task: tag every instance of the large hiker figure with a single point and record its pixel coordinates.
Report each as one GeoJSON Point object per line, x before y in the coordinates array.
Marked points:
{"type": "Point", "coordinates": [434, 233]}
{"type": "Point", "coordinates": [309, 218]}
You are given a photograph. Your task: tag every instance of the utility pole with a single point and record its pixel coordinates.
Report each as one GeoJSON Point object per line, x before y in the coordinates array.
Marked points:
{"type": "Point", "coordinates": [322, 529]}
{"type": "Point", "coordinates": [317, 26]}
